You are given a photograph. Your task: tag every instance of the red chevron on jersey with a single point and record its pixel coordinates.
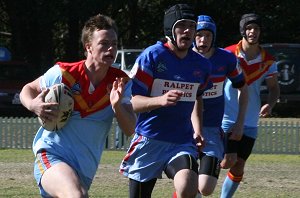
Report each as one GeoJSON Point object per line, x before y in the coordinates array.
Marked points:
{"type": "Point", "coordinates": [216, 79]}
{"type": "Point", "coordinates": [144, 78]}
{"type": "Point", "coordinates": [253, 71]}
{"type": "Point", "coordinates": [86, 103]}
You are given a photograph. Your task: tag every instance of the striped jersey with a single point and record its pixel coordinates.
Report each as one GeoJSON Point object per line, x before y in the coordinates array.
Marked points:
{"type": "Point", "coordinates": [158, 70]}
{"type": "Point", "coordinates": [224, 66]}
{"type": "Point", "coordinates": [255, 71]}
{"type": "Point", "coordinates": [81, 141]}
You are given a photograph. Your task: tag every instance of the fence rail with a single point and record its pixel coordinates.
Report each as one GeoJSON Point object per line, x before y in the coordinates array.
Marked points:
{"type": "Point", "coordinates": [281, 136]}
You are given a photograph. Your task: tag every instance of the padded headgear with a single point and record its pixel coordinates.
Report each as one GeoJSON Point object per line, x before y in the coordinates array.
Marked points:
{"type": "Point", "coordinates": [247, 19]}
{"type": "Point", "coordinates": [173, 15]}
{"type": "Point", "coordinates": [207, 23]}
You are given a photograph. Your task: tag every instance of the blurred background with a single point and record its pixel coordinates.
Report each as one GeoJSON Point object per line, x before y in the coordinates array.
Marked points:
{"type": "Point", "coordinates": [34, 34]}
{"type": "Point", "coordinates": [41, 32]}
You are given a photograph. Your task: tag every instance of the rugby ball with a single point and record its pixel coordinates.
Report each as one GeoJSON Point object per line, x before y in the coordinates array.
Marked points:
{"type": "Point", "coordinates": [61, 94]}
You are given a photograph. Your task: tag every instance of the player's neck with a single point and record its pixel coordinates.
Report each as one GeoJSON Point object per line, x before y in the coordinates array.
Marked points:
{"type": "Point", "coordinates": [210, 52]}
{"type": "Point", "coordinates": [179, 53]}
{"type": "Point", "coordinates": [251, 50]}
{"type": "Point", "coordinates": [95, 74]}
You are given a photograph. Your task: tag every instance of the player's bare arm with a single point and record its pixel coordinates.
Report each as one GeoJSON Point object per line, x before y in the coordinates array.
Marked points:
{"type": "Point", "coordinates": [123, 112]}
{"type": "Point", "coordinates": [33, 99]}
{"type": "Point", "coordinates": [273, 95]}
{"type": "Point", "coordinates": [237, 129]}
{"type": "Point", "coordinates": [145, 104]}
{"type": "Point", "coordinates": [197, 123]}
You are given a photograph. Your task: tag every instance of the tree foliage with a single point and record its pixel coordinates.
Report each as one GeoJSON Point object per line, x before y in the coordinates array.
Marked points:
{"type": "Point", "coordinates": [44, 31]}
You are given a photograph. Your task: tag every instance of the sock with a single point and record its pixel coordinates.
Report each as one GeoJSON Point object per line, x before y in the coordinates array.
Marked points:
{"type": "Point", "coordinates": [174, 195]}
{"type": "Point", "coordinates": [231, 183]}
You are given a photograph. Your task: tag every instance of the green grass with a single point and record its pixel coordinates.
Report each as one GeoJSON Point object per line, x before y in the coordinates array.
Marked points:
{"type": "Point", "coordinates": [266, 176]}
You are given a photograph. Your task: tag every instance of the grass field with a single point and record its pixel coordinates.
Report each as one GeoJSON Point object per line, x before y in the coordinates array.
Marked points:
{"type": "Point", "coordinates": [267, 176]}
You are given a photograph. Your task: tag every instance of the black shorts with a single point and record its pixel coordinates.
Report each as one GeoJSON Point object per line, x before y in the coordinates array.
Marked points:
{"type": "Point", "coordinates": [209, 165]}
{"type": "Point", "coordinates": [243, 148]}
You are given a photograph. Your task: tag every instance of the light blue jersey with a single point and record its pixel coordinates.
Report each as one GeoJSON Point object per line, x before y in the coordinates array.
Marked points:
{"type": "Point", "coordinates": [81, 141]}
{"type": "Point", "coordinates": [256, 71]}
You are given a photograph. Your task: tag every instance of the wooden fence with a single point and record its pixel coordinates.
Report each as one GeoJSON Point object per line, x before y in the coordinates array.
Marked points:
{"type": "Point", "coordinates": [279, 136]}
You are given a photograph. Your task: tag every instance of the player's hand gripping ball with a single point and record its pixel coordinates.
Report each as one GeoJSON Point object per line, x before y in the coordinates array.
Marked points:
{"type": "Point", "coordinates": [61, 94]}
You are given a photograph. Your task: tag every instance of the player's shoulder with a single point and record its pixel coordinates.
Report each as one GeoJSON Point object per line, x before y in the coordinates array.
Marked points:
{"type": "Point", "coordinates": [73, 68]}
{"type": "Point", "coordinates": [200, 61]}
{"type": "Point", "coordinates": [70, 64]}
{"type": "Point", "coordinates": [224, 52]}
{"type": "Point", "coordinates": [198, 58]}
{"type": "Point", "coordinates": [231, 48]}
{"type": "Point", "coordinates": [267, 54]}
{"type": "Point", "coordinates": [153, 51]}
{"type": "Point", "coordinates": [114, 73]}
{"type": "Point", "coordinates": [225, 55]}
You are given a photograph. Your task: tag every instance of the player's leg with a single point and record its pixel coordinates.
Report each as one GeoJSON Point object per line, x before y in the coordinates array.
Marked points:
{"type": "Point", "coordinates": [61, 181]}
{"type": "Point", "coordinates": [183, 170]}
{"type": "Point", "coordinates": [141, 189]}
{"type": "Point", "coordinates": [208, 174]}
{"type": "Point", "coordinates": [230, 149]}
{"type": "Point", "coordinates": [57, 179]}
{"type": "Point", "coordinates": [210, 158]}
{"type": "Point", "coordinates": [235, 174]}
{"type": "Point", "coordinates": [145, 161]}
{"type": "Point", "coordinates": [185, 183]}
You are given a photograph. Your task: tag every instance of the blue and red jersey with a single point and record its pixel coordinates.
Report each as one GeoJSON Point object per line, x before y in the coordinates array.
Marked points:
{"type": "Point", "coordinates": [224, 66]}
{"type": "Point", "coordinates": [158, 70]}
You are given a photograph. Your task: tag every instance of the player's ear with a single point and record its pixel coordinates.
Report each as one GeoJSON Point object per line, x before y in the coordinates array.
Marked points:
{"type": "Point", "coordinates": [88, 48]}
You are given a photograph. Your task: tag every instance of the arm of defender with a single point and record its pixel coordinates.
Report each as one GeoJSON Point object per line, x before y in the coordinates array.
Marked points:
{"type": "Point", "coordinates": [146, 104]}
{"type": "Point", "coordinates": [196, 118]}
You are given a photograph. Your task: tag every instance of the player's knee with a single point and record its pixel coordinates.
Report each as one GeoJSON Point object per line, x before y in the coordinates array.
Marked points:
{"type": "Point", "coordinates": [225, 164]}
{"type": "Point", "coordinates": [186, 182]}
{"type": "Point", "coordinates": [230, 159]}
{"type": "Point", "coordinates": [206, 190]}
{"type": "Point", "coordinates": [74, 193]}
{"type": "Point", "coordinates": [207, 184]}
{"type": "Point", "coordinates": [238, 167]}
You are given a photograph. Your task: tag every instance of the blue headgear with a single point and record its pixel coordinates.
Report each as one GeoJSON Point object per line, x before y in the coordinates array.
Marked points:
{"type": "Point", "coordinates": [206, 23]}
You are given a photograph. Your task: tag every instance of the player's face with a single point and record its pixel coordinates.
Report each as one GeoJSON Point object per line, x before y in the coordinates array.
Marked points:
{"type": "Point", "coordinates": [185, 34]}
{"type": "Point", "coordinates": [103, 47]}
{"type": "Point", "coordinates": [252, 33]}
{"type": "Point", "coordinates": [204, 39]}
